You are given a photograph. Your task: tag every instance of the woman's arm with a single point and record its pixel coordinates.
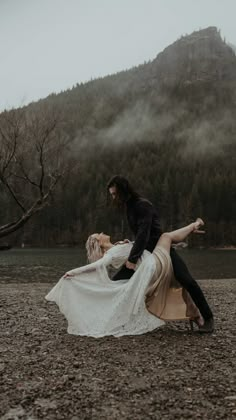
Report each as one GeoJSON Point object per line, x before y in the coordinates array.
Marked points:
{"type": "Point", "coordinates": [105, 260]}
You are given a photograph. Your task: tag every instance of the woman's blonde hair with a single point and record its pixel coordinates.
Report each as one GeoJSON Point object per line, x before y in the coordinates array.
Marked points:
{"type": "Point", "coordinates": [94, 250]}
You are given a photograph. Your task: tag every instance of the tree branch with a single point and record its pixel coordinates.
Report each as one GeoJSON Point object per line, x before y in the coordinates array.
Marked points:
{"type": "Point", "coordinates": [31, 163]}
{"type": "Point", "coordinates": [12, 193]}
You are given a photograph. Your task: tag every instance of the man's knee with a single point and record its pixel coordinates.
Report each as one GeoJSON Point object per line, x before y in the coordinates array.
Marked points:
{"type": "Point", "coordinates": [123, 274]}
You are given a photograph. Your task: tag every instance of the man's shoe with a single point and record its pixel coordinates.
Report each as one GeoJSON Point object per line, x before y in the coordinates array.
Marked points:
{"type": "Point", "coordinates": [207, 327]}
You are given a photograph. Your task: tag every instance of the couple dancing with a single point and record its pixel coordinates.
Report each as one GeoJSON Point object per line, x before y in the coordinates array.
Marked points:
{"type": "Point", "coordinates": [151, 285]}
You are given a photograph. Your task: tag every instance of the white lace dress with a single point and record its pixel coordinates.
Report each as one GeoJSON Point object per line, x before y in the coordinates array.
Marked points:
{"type": "Point", "coordinates": [96, 306]}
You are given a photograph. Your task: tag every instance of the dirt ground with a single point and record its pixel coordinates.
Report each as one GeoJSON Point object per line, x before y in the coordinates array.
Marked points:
{"type": "Point", "coordinates": [169, 373]}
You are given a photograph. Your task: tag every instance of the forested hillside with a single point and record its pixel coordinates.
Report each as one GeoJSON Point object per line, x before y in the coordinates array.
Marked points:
{"type": "Point", "coordinates": [169, 125]}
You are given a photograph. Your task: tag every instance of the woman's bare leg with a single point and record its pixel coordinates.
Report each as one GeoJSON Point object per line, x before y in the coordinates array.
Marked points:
{"type": "Point", "coordinates": [178, 235]}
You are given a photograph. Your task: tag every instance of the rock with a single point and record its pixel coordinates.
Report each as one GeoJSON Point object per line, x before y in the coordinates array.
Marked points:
{"type": "Point", "coordinates": [44, 403]}
{"type": "Point", "coordinates": [14, 413]}
{"type": "Point", "coordinates": [2, 367]}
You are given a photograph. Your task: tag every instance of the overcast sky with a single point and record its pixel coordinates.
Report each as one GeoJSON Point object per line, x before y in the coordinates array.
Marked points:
{"type": "Point", "coordinates": [50, 45]}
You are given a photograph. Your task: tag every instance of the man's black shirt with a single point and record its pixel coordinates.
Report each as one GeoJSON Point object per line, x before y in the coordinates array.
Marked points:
{"type": "Point", "coordinates": [144, 223]}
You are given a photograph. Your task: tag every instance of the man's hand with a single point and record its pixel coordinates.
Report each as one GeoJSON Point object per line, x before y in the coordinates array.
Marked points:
{"type": "Point", "coordinates": [130, 265]}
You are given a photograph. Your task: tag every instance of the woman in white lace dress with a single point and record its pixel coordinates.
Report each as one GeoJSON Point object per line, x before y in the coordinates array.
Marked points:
{"type": "Point", "coordinates": [96, 306]}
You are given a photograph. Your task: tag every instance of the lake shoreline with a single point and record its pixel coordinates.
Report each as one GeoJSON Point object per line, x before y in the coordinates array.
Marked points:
{"type": "Point", "coordinates": [43, 265]}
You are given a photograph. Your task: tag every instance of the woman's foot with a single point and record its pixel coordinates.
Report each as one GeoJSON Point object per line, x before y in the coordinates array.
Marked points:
{"type": "Point", "coordinates": [197, 224]}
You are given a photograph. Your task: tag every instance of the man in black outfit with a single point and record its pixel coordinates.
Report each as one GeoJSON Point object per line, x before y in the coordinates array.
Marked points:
{"type": "Point", "coordinates": [144, 223]}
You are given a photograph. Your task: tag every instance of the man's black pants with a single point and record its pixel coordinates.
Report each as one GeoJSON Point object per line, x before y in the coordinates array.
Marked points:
{"type": "Point", "coordinates": [184, 278]}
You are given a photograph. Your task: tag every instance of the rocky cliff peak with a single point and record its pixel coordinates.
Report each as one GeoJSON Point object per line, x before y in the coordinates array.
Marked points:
{"type": "Point", "coordinates": [199, 57]}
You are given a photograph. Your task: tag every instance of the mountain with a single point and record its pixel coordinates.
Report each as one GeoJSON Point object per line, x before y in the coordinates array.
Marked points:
{"type": "Point", "coordinates": [233, 47]}
{"type": "Point", "coordinates": [195, 77]}
{"type": "Point", "coordinates": [169, 125]}
{"type": "Point", "coordinates": [200, 57]}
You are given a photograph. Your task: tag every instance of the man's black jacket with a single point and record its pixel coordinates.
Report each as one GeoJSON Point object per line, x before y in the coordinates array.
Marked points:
{"type": "Point", "coordinates": [144, 223]}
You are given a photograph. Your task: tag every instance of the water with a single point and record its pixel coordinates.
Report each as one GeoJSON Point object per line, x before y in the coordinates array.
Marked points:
{"type": "Point", "coordinates": [48, 265]}
{"type": "Point", "coordinates": [39, 264]}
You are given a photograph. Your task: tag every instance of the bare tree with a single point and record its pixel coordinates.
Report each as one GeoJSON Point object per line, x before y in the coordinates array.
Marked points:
{"type": "Point", "coordinates": [33, 160]}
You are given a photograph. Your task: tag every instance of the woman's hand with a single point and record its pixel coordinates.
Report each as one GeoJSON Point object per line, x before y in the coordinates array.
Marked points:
{"type": "Point", "coordinates": [125, 241]}
{"type": "Point", "coordinates": [68, 275]}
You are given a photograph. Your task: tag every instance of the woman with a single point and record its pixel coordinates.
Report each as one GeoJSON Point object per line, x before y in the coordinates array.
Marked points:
{"type": "Point", "coordinates": [96, 306]}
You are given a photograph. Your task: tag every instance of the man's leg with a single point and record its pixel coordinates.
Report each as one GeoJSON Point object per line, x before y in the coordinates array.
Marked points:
{"type": "Point", "coordinates": [123, 273]}
{"type": "Point", "coordinates": [185, 279]}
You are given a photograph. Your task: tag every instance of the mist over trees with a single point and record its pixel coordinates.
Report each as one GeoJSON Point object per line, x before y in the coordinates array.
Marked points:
{"type": "Point", "coordinates": [168, 125]}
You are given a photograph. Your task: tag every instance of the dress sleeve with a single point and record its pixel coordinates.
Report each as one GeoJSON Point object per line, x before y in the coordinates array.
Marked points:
{"type": "Point", "coordinates": [105, 260]}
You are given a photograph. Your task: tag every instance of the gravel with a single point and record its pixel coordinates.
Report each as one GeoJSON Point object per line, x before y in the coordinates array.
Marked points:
{"type": "Point", "coordinates": [169, 373]}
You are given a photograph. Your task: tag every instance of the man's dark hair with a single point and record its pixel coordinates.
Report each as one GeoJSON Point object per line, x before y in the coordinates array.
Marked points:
{"type": "Point", "coordinates": [123, 187]}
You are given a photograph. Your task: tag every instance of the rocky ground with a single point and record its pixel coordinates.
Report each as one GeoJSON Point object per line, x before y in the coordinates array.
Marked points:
{"type": "Point", "coordinates": [170, 373]}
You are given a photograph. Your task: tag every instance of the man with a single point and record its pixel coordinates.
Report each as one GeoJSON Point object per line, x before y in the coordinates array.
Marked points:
{"type": "Point", "coordinates": [144, 222]}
